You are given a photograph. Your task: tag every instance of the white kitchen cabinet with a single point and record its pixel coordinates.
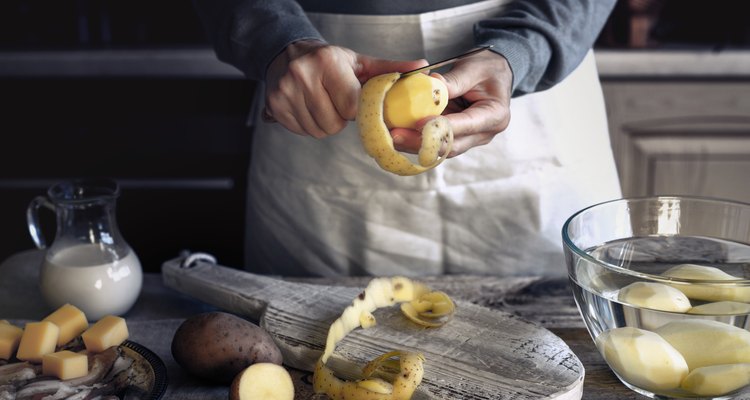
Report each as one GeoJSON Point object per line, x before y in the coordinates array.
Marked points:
{"type": "Point", "coordinates": [679, 122]}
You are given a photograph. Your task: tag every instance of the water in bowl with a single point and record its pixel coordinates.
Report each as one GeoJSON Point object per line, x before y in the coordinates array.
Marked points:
{"type": "Point", "coordinates": [596, 289]}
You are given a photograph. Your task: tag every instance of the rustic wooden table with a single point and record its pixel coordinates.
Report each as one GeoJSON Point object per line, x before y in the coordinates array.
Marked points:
{"type": "Point", "coordinates": [546, 301]}
{"type": "Point", "coordinates": [160, 310]}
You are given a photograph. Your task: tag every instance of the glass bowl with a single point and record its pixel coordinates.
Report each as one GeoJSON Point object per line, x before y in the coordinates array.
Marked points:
{"type": "Point", "coordinates": [663, 287]}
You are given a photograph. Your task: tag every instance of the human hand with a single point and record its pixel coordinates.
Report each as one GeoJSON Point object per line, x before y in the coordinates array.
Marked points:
{"type": "Point", "coordinates": [480, 90]}
{"type": "Point", "coordinates": [312, 88]}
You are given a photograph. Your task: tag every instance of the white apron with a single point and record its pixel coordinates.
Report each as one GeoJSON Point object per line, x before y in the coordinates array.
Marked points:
{"type": "Point", "coordinates": [323, 207]}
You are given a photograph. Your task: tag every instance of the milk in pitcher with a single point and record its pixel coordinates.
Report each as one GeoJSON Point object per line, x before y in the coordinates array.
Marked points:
{"type": "Point", "coordinates": [91, 278]}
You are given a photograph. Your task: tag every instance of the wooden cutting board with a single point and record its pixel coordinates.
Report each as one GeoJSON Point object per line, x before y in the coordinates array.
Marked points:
{"type": "Point", "coordinates": [480, 354]}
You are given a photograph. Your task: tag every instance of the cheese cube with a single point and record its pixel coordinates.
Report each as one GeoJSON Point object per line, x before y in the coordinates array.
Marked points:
{"type": "Point", "coordinates": [71, 321]}
{"type": "Point", "coordinates": [10, 336]}
{"type": "Point", "coordinates": [38, 339]}
{"type": "Point", "coordinates": [105, 333]}
{"type": "Point", "coordinates": [65, 365]}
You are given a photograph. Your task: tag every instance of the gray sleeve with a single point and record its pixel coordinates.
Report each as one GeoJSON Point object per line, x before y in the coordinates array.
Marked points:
{"type": "Point", "coordinates": [544, 40]}
{"type": "Point", "coordinates": [249, 34]}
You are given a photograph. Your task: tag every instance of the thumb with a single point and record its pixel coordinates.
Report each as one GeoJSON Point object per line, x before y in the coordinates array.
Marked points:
{"type": "Point", "coordinates": [367, 67]}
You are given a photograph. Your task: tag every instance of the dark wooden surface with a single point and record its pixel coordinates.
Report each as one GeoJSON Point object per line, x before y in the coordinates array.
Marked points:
{"type": "Point", "coordinates": [547, 301]}
{"type": "Point", "coordinates": [160, 310]}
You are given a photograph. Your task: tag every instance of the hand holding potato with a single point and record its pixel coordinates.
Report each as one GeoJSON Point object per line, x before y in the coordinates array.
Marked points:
{"type": "Point", "coordinates": [312, 88]}
{"type": "Point", "coordinates": [479, 89]}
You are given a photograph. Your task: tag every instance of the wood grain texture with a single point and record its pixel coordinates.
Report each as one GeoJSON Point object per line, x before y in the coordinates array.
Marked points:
{"type": "Point", "coordinates": [481, 354]}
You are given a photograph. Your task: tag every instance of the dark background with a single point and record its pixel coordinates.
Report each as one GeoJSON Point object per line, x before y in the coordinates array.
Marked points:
{"type": "Point", "coordinates": [178, 142]}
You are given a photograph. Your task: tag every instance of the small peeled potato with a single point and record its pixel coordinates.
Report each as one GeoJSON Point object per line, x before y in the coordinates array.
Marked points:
{"type": "Point", "coordinates": [654, 296]}
{"type": "Point", "coordinates": [707, 342]}
{"type": "Point", "coordinates": [262, 381]}
{"type": "Point", "coordinates": [413, 98]}
{"type": "Point", "coordinates": [717, 380]}
{"type": "Point", "coordinates": [721, 308]}
{"type": "Point", "coordinates": [706, 291]}
{"type": "Point", "coordinates": [642, 358]}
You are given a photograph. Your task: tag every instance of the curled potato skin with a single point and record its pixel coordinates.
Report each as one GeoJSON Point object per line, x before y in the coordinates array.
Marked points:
{"type": "Point", "coordinates": [406, 380]}
{"type": "Point", "coordinates": [405, 375]}
{"type": "Point", "coordinates": [376, 137]}
{"type": "Point", "coordinates": [431, 309]}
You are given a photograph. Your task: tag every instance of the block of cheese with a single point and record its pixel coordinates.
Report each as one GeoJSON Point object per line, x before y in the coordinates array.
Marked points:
{"type": "Point", "coordinates": [105, 333]}
{"type": "Point", "coordinates": [38, 339]}
{"type": "Point", "coordinates": [71, 321]}
{"type": "Point", "coordinates": [65, 365]}
{"type": "Point", "coordinates": [10, 336]}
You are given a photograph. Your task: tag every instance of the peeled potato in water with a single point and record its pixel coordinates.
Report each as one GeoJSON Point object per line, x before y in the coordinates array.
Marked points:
{"type": "Point", "coordinates": [643, 358]}
{"type": "Point", "coordinates": [705, 291]}
{"type": "Point", "coordinates": [655, 296]}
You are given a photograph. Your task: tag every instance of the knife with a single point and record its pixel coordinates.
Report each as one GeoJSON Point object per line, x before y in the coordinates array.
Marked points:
{"type": "Point", "coordinates": [447, 61]}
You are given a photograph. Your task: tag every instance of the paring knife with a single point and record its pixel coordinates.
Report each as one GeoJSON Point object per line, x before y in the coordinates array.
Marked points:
{"type": "Point", "coordinates": [447, 61]}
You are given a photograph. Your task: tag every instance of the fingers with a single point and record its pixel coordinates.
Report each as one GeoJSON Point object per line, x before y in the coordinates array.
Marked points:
{"type": "Point", "coordinates": [475, 126]}
{"type": "Point", "coordinates": [304, 112]}
{"type": "Point", "coordinates": [406, 140]}
{"type": "Point", "coordinates": [480, 92]}
{"type": "Point", "coordinates": [312, 90]}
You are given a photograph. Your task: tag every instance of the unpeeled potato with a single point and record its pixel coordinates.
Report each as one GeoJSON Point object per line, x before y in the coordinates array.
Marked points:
{"type": "Point", "coordinates": [216, 346]}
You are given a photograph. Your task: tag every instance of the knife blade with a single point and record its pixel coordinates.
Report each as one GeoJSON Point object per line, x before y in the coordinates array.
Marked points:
{"type": "Point", "coordinates": [446, 61]}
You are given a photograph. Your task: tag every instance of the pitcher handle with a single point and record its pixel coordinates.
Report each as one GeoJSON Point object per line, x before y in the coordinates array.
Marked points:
{"type": "Point", "coordinates": [32, 219]}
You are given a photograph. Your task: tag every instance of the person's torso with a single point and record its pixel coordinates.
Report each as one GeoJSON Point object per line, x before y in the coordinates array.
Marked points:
{"type": "Point", "coordinates": [324, 207]}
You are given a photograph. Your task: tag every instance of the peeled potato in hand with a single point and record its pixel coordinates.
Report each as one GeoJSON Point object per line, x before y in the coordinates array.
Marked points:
{"type": "Point", "coordinates": [413, 98]}
{"type": "Point", "coordinates": [437, 134]}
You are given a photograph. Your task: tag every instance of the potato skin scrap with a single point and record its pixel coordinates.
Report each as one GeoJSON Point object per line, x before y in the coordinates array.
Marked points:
{"type": "Point", "coordinates": [406, 372]}
{"type": "Point", "coordinates": [402, 388]}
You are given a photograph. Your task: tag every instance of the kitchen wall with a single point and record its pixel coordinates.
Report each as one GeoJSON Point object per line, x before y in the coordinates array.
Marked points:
{"type": "Point", "coordinates": [131, 90]}
{"type": "Point", "coordinates": [128, 90]}
{"type": "Point", "coordinates": [676, 78]}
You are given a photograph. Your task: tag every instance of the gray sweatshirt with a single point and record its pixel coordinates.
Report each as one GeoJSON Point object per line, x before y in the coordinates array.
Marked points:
{"type": "Point", "coordinates": [543, 40]}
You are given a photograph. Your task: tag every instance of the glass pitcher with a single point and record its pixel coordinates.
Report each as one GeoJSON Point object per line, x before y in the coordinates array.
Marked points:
{"type": "Point", "coordinates": [88, 264]}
